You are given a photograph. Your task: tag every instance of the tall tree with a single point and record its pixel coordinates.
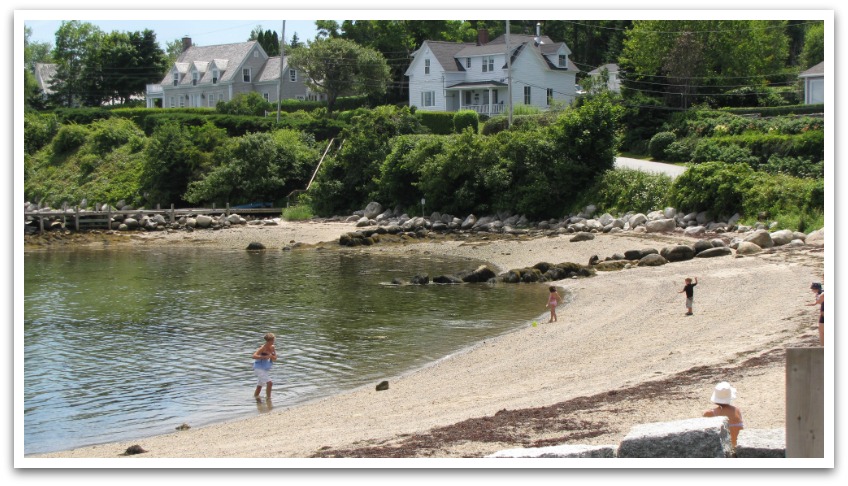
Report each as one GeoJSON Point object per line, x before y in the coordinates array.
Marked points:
{"type": "Point", "coordinates": [295, 41]}
{"type": "Point", "coordinates": [76, 42]}
{"type": "Point", "coordinates": [35, 52]}
{"type": "Point", "coordinates": [813, 50]}
{"type": "Point", "coordinates": [327, 29]}
{"type": "Point", "coordinates": [338, 67]}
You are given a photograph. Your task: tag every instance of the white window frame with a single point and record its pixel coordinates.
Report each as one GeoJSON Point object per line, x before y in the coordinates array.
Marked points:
{"type": "Point", "coordinates": [181, 100]}
{"type": "Point", "coordinates": [528, 91]}
{"type": "Point", "coordinates": [426, 66]}
{"type": "Point", "coordinates": [428, 98]}
{"type": "Point", "coordinates": [176, 78]}
{"type": "Point", "coordinates": [246, 74]}
{"type": "Point", "coordinates": [266, 96]}
{"type": "Point", "coordinates": [468, 63]}
{"type": "Point", "coordinates": [489, 64]}
{"type": "Point", "coordinates": [214, 76]}
{"type": "Point", "coordinates": [173, 102]}
{"type": "Point", "coordinates": [563, 61]}
{"type": "Point", "coordinates": [211, 100]}
{"type": "Point", "coordinates": [195, 77]}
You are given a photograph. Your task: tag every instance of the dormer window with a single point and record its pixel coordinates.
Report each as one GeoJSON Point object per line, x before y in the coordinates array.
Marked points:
{"type": "Point", "coordinates": [245, 74]}
{"type": "Point", "coordinates": [194, 78]}
{"type": "Point", "coordinates": [426, 66]}
{"type": "Point", "coordinates": [562, 60]}
{"type": "Point", "coordinates": [214, 76]}
{"type": "Point", "coordinates": [176, 78]}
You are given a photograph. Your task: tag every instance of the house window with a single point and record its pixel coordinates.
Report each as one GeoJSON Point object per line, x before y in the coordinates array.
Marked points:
{"type": "Point", "coordinates": [172, 103]}
{"type": "Point", "coordinates": [426, 66]}
{"type": "Point", "coordinates": [266, 97]}
{"type": "Point", "coordinates": [211, 98]}
{"type": "Point", "coordinates": [245, 74]}
{"type": "Point", "coordinates": [182, 99]}
{"type": "Point", "coordinates": [293, 75]}
{"type": "Point", "coordinates": [428, 98]}
{"type": "Point", "coordinates": [488, 64]}
{"type": "Point", "coordinates": [550, 95]}
{"type": "Point", "coordinates": [527, 95]}
{"type": "Point", "coordinates": [194, 78]}
{"type": "Point", "coordinates": [468, 97]}
{"type": "Point", "coordinates": [214, 76]}
{"type": "Point", "coordinates": [468, 62]}
{"type": "Point", "coordinates": [562, 60]}
{"type": "Point", "coordinates": [176, 78]}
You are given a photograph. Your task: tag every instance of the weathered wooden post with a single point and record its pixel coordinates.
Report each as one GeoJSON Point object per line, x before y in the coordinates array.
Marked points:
{"type": "Point", "coordinates": [76, 219]}
{"type": "Point", "coordinates": [172, 213]}
{"type": "Point", "coordinates": [227, 213]}
{"type": "Point", "coordinates": [805, 402]}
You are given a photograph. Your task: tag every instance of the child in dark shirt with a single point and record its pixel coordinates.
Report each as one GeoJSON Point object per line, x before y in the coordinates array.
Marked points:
{"type": "Point", "coordinates": [689, 289]}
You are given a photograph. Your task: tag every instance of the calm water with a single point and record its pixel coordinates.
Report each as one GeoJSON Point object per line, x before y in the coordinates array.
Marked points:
{"type": "Point", "coordinates": [121, 345]}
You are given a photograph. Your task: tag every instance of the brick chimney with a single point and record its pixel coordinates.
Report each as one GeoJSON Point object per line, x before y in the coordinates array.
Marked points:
{"type": "Point", "coordinates": [482, 36]}
{"type": "Point", "coordinates": [186, 42]}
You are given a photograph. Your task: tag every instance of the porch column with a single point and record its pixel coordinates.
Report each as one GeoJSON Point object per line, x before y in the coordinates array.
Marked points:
{"type": "Point", "coordinates": [490, 102]}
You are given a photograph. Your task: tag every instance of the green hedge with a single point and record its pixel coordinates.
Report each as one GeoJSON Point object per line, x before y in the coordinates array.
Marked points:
{"type": "Point", "coordinates": [777, 110]}
{"type": "Point", "coordinates": [464, 119]}
{"type": "Point", "coordinates": [438, 122]}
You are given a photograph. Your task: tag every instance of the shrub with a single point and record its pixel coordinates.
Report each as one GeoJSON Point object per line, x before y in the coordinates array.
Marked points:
{"type": "Point", "coordinates": [111, 134]}
{"type": "Point", "coordinates": [711, 150]}
{"type": "Point", "coordinates": [39, 129]}
{"type": "Point", "coordinates": [464, 119]}
{"type": "Point", "coordinates": [681, 150]}
{"type": "Point", "coordinates": [716, 187]}
{"type": "Point", "coordinates": [659, 143]}
{"type": "Point", "coordinates": [438, 122]}
{"type": "Point", "coordinates": [620, 190]}
{"type": "Point", "coordinates": [69, 137]}
{"type": "Point", "coordinates": [794, 166]}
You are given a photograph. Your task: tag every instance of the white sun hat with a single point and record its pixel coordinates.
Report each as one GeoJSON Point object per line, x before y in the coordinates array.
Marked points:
{"type": "Point", "coordinates": [723, 393]}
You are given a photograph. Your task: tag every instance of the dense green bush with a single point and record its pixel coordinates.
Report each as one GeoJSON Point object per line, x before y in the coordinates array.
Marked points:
{"type": "Point", "coordinates": [108, 135]}
{"type": "Point", "coordinates": [642, 118]}
{"type": "Point", "coordinates": [251, 103]}
{"type": "Point", "coordinates": [463, 119]}
{"type": "Point", "coordinates": [401, 169]}
{"type": "Point", "coordinates": [681, 150]}
{"type": "Point", "coordinates": [794, 166]}
{"type": "Point", "coordinates": [716, 187]}
{"type": "Point", "coordinates": [622, 190]}
{"type": "Point", "coordinates": [69, 137]}
{"type": "Point", "coordinates": [438, 122]}
{"type": "Point", "coordinates": [39, 130]}
{"type": "Point", "coordinates": [709, 149]}
{"type": "Point", "coordinates": [81, 116]}
{"type": "Point", "coordinates": [659, 143]}
{"type": "Point", "coordinates": [778, 110]}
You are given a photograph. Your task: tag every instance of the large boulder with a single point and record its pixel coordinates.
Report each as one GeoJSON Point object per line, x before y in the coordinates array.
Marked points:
{"type": "Point", "coordinates": [715, 252]}
{"type": "Point", "coordinates": [637, 219]}
{"type": "Point", "coordinates": [660, 226]}
{"type": "Point", "coordinates": [761, 238]}
{"type": "Point", "coordinates": [678, 253]}
{"type": "Point", "coordinates": [698, 437]}
{"type": "Point", "coordinates": [702, 245]}
{"type": "Point", "coordinates": [481, 274]}
{"type": "Point", "coordinates": [582, 236]}
{"type": "Point", "coordinates": [203, 221]}
{"type": "Point", "coordinates": [815, 238]}
{"type": "Point", "coordinates": [652, 260]}
{"type": "Point", "coordinates": [469, 222]}
{"type": "Point", "coordinates": [747, 248]}
{"type": "Point", "coordinates": [372, 210]}
{"type": "Point", "coordinates": [761, 443]}
{"type": "Point", "coordinates": [782, 237]}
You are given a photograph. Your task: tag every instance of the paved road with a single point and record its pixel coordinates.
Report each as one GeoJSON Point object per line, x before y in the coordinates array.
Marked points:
{"type": "Point", "coordinates": [647, 166]}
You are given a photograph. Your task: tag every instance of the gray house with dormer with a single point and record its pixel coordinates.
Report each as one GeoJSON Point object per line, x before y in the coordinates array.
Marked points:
{"type": "Point", "coordinates": [204, 75]}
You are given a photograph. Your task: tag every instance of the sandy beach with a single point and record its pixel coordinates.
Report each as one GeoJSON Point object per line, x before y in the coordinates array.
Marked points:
{"type": "Point", "coordinates": [623, 353]}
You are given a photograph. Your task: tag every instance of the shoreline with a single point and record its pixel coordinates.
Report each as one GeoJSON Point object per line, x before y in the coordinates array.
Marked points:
{"type": "Point", "coordinates": [607, 341]}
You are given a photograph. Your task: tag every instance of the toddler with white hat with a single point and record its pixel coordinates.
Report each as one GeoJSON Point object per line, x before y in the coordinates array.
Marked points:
{"type": "Point", "coordinates": [723, 394]}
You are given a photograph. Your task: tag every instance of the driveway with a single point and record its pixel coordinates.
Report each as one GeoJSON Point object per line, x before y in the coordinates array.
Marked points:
{"type": "Point", "coordinates": [647, 166]}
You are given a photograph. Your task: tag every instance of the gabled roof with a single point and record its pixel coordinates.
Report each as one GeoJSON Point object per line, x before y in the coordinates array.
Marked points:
{"type": "Point", "coordinates": [44, 74]}
{"type": "Point", "coordinates": [225, 53]}
{"type": "Point", "coordinates": [817, 70]}
{"type": "Point", "coordinates": [612, 68]}
{"type": "Point", "coordinates": [445, 53]}
{"type": "Point", "coordinates": [271, 71]}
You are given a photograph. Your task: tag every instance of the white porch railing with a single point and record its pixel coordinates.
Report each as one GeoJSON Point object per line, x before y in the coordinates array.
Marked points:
{"type": "Point", "coordinates": [495, 109]}
{"type": "Point", "coordinates": [154, 89]}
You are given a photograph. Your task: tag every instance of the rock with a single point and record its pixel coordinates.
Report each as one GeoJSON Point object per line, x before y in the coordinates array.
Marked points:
{"type": "Point", "coordinates": [678, 253]}
{"type": "Point", "coordinates": [761, 238]}
{"type": "Point", "coordinates": [782, 237]}
{"type": "Point", "coordinates": [183, 427]}
{"type": "Point", "coordinates": [383, 385]}
{"type": "Point", "coordinates": [670, 213]}
{"type": "Point", "coordinates": [611, 265]}
{"type": "Point", "coordinates": [703, 217]}
{"type": "Point", "coordinates": [652, 260]}
{"type": "Point", "coordinates": [131, 223]}
{"type": "Point", "coordinates": [761, 443]}
{"type": "Point", "coordinates": [815, 238]}
{"type": "Point", "coordinates": [481, 274]}
{"type": "Point", "coordinates": [469, 222]}
{"type": "Point", "coordinates": [701, 245]}
{"type": "Point", "coordinates": [698, 437]}
{"type": "Point", "coordinates": [363, 221]}
{"type": "Point", "coordinates": [715, 252]}
{"type": "Point", "coordinates": [565, 450]}
{"type": "Point", "coordinates": [255, 246]}
{"type": "Point", "coordinates": [593, 260]}
{"type": "Point", "coordinates": [134, 449]}
{"type": "Point", "coordinates": [203, 221]}
{"type": "Point", "coordinates": [694, 230]}
{"type": "Point", "coordinates": [747, 248]}
{"type": "Point", "coordinates": [637, 219]}
{"type": "Point", "coordinates": [660, 226]}
{"type": "Point", "coordinates": [582, 236]}
{"type": "Point", "coordinates": [372, 210]}
{"type": "Point", "coordinates": [447, 279]}
{"type": "Point", "coordinates": [420, 279]}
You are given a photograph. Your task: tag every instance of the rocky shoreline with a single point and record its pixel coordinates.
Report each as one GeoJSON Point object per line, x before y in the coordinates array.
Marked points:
{"type": "Point", "coordinates": [622, 348]}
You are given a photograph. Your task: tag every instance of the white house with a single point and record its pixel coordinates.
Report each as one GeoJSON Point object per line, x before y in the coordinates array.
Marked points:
{"type": "Point", "coordinates": [813, 84]}
{"type": "Point", "coordinates": [613, 80]}
{"type": "Point", "coordinates": [203, 76]}
{"type": "Point", "coordinates": [450, 76]}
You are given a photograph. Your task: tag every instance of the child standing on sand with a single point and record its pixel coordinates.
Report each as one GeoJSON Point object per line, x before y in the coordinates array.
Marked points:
{"type": "Point", "coordinates": [689, 289]}
{"type": "Point", "coordinates": [263, 358]}
{"type": "Point", "coordinates": [722, 396]}
{"type": "Point", "coordinates": [554, 300]}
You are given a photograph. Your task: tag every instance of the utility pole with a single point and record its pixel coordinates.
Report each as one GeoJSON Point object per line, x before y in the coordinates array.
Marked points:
{"type": "Point", "coordinates": [282, 60]}
{"type": "Point", "coordinates": [508, 76]}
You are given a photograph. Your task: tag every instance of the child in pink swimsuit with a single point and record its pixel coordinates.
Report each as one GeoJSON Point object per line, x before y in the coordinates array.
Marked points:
{"type": "Point", "coordinates": [553, 301]}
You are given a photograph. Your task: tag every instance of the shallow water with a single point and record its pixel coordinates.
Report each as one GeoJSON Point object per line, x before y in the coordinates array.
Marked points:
{"type": "Point", "coordinates": [126, 344]}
